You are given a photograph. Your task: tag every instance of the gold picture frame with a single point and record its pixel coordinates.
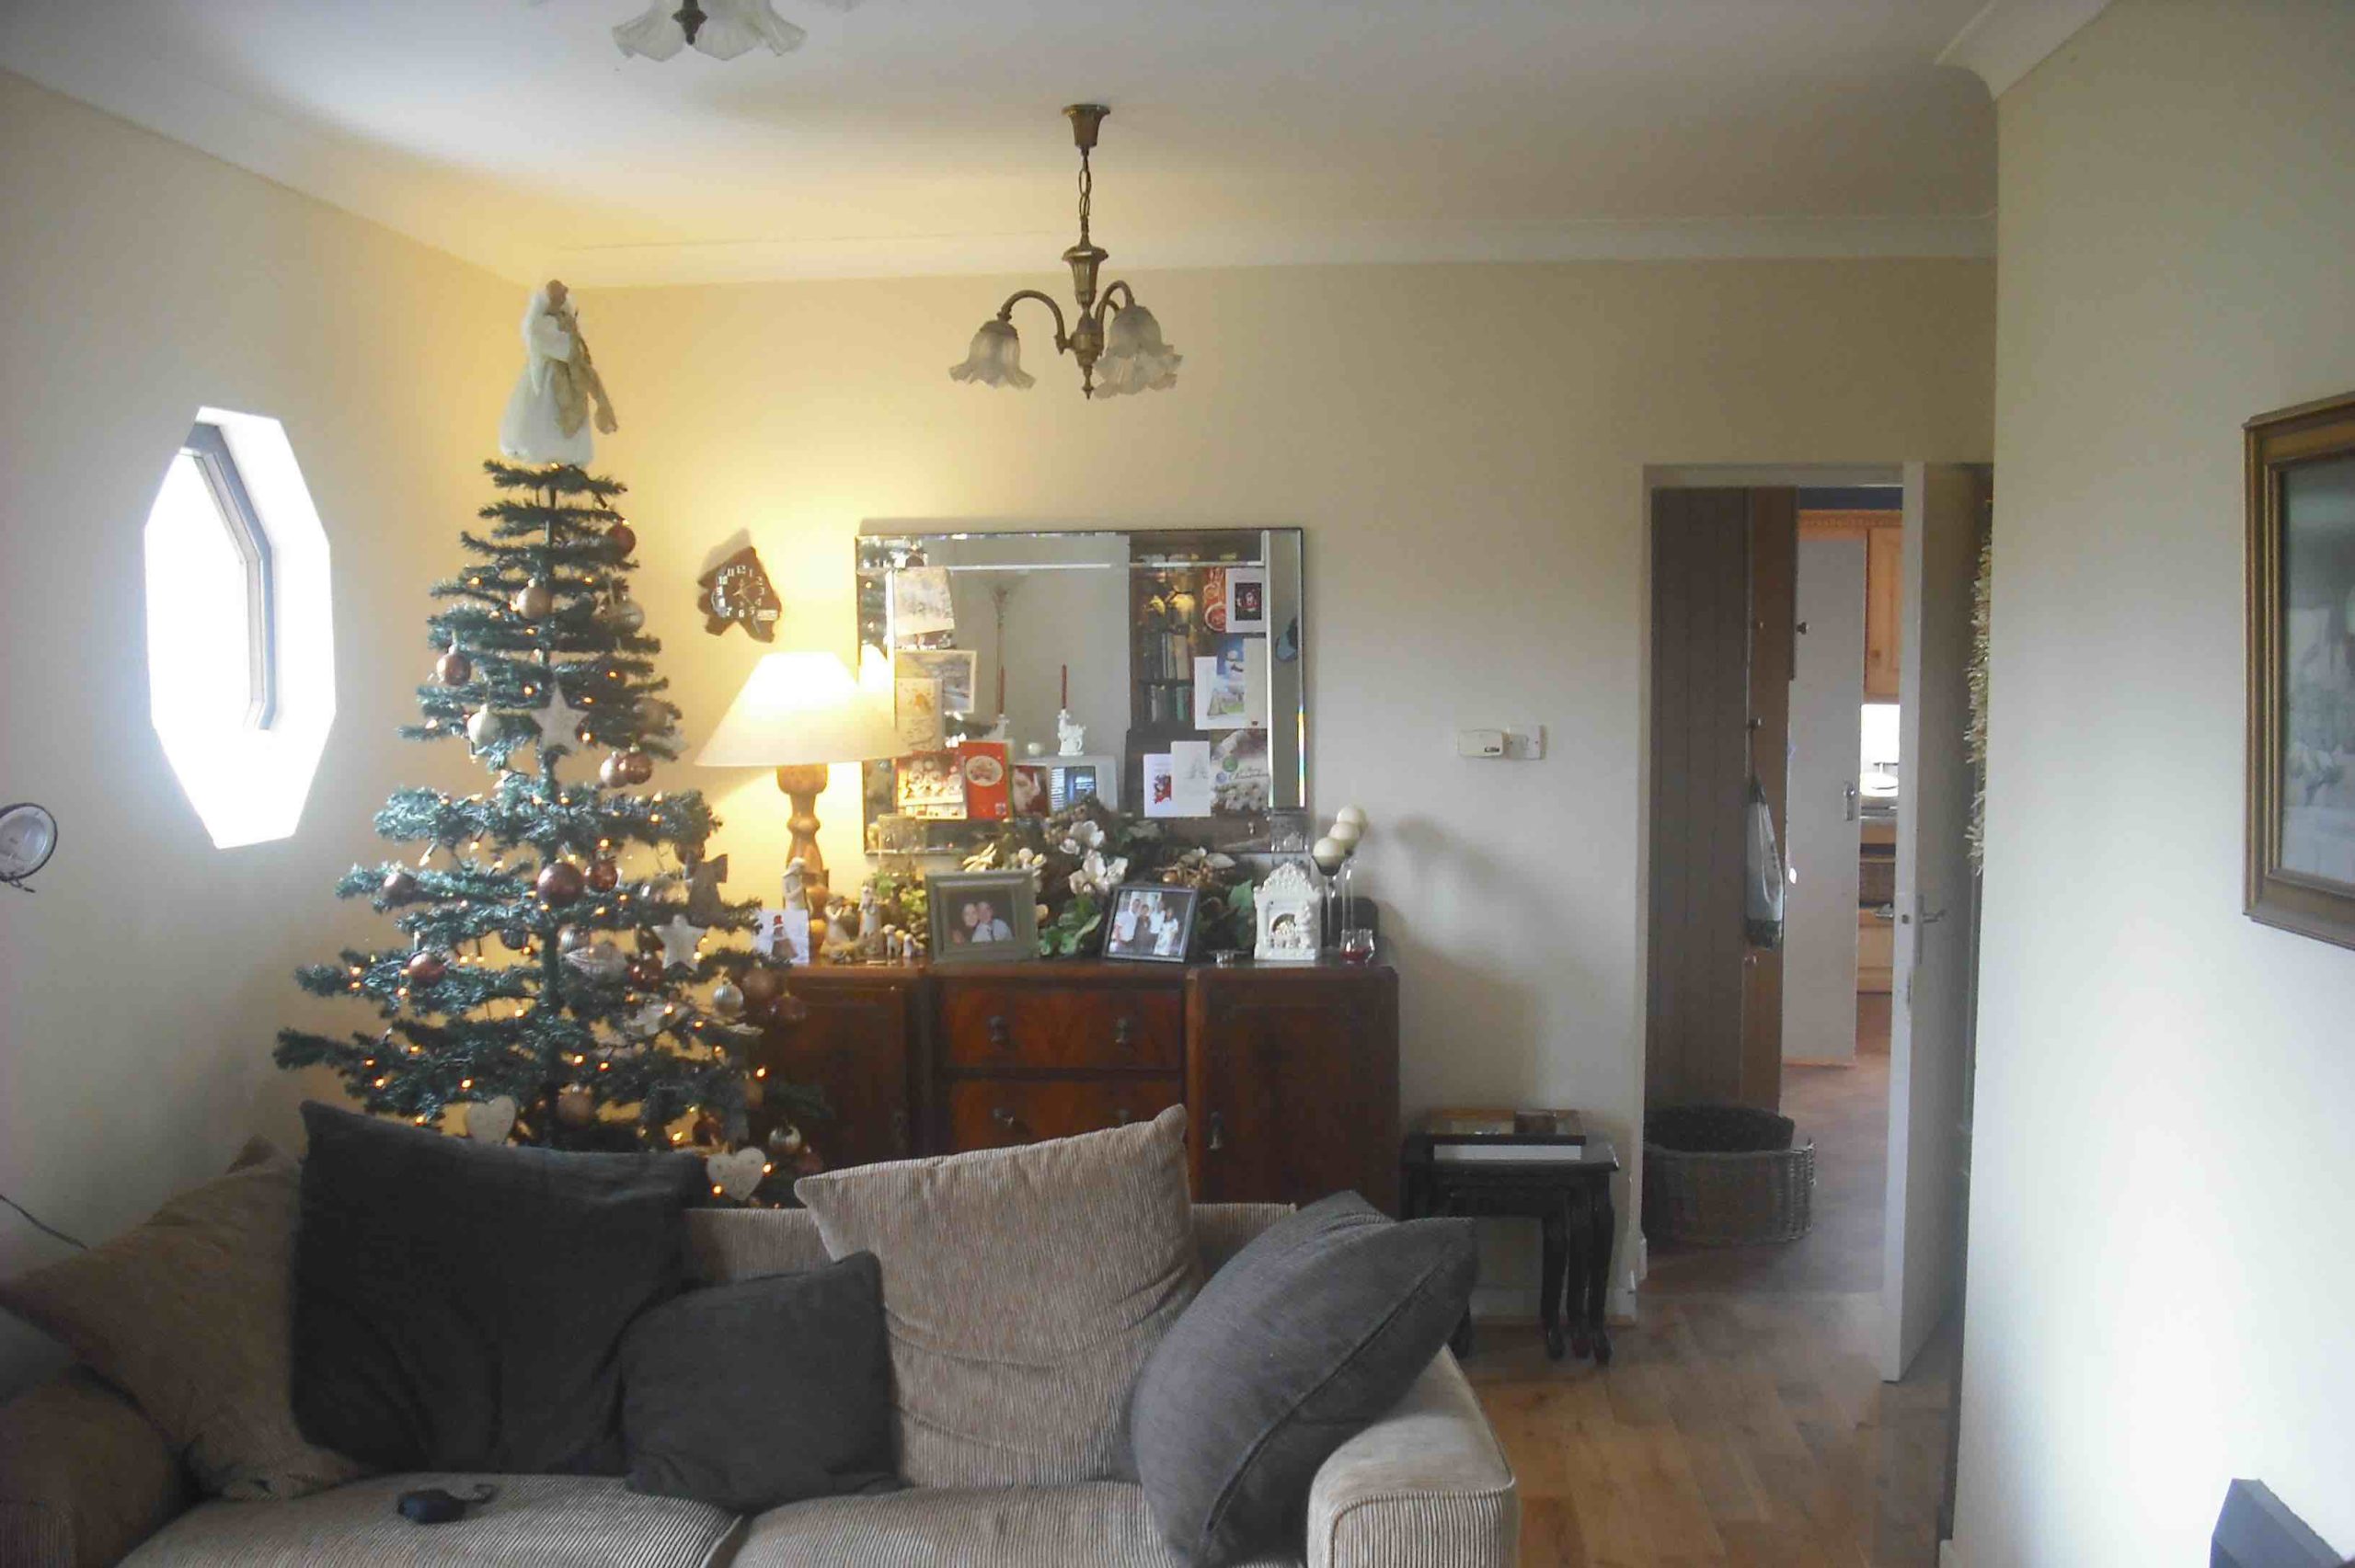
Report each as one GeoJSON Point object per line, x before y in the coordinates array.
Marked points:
{"type": "Point", "coordinates": [2301, 630]}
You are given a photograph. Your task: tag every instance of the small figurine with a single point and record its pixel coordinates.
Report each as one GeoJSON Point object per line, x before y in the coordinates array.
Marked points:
{"type": "Point", "coordinates": [1071, 736]}
{"type": "Point", "coordinates": [870, 925]}
{"type": "Point", "coordinates": [841, 930]}
{"type": "Point", "coordinates": [547, 418]}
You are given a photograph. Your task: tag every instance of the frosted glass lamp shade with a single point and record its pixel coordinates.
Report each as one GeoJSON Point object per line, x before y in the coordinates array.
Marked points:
{"type": "Point", "coordinates": [1135, 358]}
{"type": "Point", "coordinates": [730, 27]}
{"type": "Point", "coordinates": [797, 709]}
{"type": "Point", "coordinates": [995, 358]}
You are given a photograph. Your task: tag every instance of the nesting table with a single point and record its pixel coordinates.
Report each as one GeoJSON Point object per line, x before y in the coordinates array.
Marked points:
{"type": "Point", "coordinates": [1569, 1196]}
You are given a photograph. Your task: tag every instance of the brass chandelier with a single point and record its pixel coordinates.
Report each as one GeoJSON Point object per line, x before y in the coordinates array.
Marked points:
{"type": "Point", "coordinates": [1112, 332]}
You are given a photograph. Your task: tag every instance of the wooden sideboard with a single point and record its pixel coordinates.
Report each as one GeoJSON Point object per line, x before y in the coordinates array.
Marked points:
{"type": "Point", "coordinates": [1289, 1075]}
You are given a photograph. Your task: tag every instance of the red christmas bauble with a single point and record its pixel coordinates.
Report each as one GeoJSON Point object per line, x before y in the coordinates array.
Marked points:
{"type": "Point", "coordinates": [645, 973]}
{"type": "Point", "coordinates": [424, 968]}
{"type": "Point", "coordinates": [637, 767]}
{"type": "Point", "coordinates": [560, 882]}
{"type": "Point", "coordinates": [761, 986]}
{"type": "Point", "coordinates": [399, 888]}
{"type": "Point", "coordinates": [453, 669]}
{"type": "Point", "coordinates": [603, 876]}
{"type": "Point", "coordinates": [622, 537]}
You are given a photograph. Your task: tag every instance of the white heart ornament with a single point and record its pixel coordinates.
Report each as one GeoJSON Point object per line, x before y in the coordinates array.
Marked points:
{"type": "Point", "coordinates": [737, 1175]}
{"type": "Point", "coordinates": [489, 1121]}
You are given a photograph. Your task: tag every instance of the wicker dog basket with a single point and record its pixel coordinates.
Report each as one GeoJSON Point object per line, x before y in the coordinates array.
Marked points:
{"type": "Point", "coordinates": [1726, 1176]}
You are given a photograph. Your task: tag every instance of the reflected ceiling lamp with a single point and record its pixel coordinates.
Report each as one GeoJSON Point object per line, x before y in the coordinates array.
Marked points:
{"type": "Point", "coordinates": [721, 29]}
{"type": "Point", "coordinates": [1112, 333]}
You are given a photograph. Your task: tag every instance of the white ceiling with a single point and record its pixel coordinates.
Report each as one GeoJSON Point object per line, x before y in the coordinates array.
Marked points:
{"type": "Point", "coordinates": [912, 136]}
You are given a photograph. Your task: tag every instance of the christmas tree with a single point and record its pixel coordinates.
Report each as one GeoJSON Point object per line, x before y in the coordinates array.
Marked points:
{"type": "Point", "coordinates": [554, 924]}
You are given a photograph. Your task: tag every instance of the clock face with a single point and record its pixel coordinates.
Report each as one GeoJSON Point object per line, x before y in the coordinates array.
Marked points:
{"type": "Point", "coordinates": [27, 835]}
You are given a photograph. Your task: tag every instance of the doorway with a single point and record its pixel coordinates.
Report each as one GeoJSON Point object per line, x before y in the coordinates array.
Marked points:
{"type": "Point", "coordinates": [1869, 1009]}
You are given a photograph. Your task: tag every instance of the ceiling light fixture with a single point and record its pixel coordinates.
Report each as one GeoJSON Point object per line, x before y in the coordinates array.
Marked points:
{"type": "Point", "coordinates": [1119, 336]}
{"type": "Point", "coordinates": [721, 29]}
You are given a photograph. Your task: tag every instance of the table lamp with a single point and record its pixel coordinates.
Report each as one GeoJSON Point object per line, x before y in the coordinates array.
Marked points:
{"type": "Point", "coordinates": [797, 712]}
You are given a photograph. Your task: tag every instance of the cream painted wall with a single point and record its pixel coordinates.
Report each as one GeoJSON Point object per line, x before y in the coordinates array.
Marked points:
{"type": "Point", "coordinates": [2159, 1269]}
{"type": "Point", "coordinates": [1466, 447]}
{"type": "Point", "coordinates": [140, 985]}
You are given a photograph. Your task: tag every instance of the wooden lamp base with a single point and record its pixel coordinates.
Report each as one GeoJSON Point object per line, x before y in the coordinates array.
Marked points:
{"type": "Point", "coordinates": [803, 784]}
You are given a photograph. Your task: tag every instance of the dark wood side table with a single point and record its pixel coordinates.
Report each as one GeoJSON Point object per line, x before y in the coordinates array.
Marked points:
{"type": "Point", "coordinates": [1570, 1199]}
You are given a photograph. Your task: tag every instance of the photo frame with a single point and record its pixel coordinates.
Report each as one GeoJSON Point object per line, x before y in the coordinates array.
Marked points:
{"type": "Point", "coordinates": [982, 917]}
{"type": "Point", "coordinates": [1291, 920]}
{"type": "Point", "coordinates": [1151, 922]}
{"type": "Point", "coordinates": [2300, 844]}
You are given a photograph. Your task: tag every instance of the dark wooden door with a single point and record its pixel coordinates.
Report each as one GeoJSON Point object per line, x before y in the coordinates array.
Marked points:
{"type": "Point", "coordinates": [854, 1048]}
{"type": "Point", "coordinates": [1724, 574]}
{"type": "Point", "coordinates": [1293, 1084]}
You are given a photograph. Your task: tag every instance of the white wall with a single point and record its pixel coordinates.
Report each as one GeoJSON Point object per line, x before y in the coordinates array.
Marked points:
{"type": "Point", "coordinates": [2161, 1274]}
{"type": "Point", "coordinates": [140, 987]}
{"type": "Point", "coordinates": [1466, 447]}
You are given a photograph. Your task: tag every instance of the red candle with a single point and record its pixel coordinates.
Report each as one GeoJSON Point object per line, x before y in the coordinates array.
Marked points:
{"type": "Point", "coordinates": [1065, 704]}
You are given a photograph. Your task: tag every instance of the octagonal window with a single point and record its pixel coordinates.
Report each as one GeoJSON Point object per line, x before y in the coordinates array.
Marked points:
{"type": "Point", "coordinates": [240, 650]}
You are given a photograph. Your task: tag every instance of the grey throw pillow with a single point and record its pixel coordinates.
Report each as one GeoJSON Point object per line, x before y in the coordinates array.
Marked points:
{"type": "Point", "coordinates": [188, 1314]}
{"type": "Point", "coordinates": [762, 1391]}
{"type": "Point", "coordinates": [1313, 1331]}
{"type": "Point", "coordinates": [1023, 1289]}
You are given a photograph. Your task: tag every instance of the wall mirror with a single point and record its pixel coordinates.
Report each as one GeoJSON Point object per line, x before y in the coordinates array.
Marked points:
{"type": "Point", "coordinates": [1177, 656]}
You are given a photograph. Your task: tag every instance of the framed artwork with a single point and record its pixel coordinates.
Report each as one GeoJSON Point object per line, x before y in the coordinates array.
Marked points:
{"type": "Point", "coordinates": [983, 917]}
{"type": "Point", "coordinates": [1151, 923]}
{"type": "Point", "coordinates": [2300, 612]}
{"type": "Point", "coordinates": [1290, 916]}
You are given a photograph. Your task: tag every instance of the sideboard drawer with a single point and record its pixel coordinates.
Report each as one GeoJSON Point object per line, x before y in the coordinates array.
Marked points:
{"type": "Point", "coordinates": [996, 1113]}
{"type": "Point", "coordinates": [991, 1025]}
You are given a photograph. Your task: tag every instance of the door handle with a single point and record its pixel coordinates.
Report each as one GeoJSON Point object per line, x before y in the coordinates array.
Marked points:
{"type": "Point", "coordinates": [1218, 1133]}
{"type": "Point", "coordinates": [1124, 1034]}
{"type": "Point", "coordinates": [1851, 794]}
{"type": "Point", "coordinates": [999, 1035]}
{"type": "Point", "coordinates": [1931, 917]}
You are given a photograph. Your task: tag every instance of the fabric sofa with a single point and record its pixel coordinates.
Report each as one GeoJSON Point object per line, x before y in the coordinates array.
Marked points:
{"type": "Point", "coordinates": [84, 1479]}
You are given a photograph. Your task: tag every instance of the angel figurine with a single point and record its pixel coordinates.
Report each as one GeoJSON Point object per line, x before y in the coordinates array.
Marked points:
{"type": "Point", "coordinates": [547, 418]}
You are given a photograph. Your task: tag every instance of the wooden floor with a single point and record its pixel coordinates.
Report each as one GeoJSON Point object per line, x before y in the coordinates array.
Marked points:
{"type": "Point", "coordinates": [1743, 1420]}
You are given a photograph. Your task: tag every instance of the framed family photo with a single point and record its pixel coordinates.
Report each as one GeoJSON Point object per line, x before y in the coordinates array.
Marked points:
{"type": "Point", "coordinates": [982, 917]}
{"type": "Point", "coordinates": [1151, 923]}
{"type": "Point", "coordinates": [2300, 838]}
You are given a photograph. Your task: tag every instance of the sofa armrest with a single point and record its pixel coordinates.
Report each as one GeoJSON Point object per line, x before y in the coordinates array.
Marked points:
{"type": "Point", "coordinates": [1428, 1484]}
{"type": "Point", "coordinates": [84, 1476]}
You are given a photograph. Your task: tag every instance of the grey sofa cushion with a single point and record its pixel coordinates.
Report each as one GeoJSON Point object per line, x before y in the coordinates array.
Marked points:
{"type": "Point", "coordinates": [459, 1306]}
{"type": "Point", "coordinates": [535, 1521]}
{"type": "Point", "coordinates": [1099, 1524]}
{"type": "Point", "coordinates": [1023, 1288]}
{"type": "Point", "coordinates": [1315, 1330]}
{"type": "Point", "coordinates": [762, 1391]}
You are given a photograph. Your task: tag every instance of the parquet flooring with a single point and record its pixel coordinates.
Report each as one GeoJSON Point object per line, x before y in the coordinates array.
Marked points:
{"type": "Point", "coordinates": [1743, 1421]}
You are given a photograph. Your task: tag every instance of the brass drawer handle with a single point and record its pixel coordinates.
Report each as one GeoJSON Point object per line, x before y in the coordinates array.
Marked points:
{"type": "Point", "coordinates": [1120, 1117]}
{"type": "Point", "coordinates": [1003, 1117]}
{"type": "Point", "coordinates": [1124, 1034]}
{"type": "Point", "coordinates": [999, 1035]}
{"type": "Point", "coordinates": [1218, 1132]}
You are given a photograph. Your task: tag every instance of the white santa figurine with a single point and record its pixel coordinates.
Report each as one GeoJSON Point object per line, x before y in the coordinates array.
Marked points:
{"type": "Point", "coordinates": [548, 415]}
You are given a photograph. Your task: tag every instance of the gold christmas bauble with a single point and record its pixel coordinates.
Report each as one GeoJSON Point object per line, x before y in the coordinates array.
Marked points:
{"type": "Point", "coordinates": [533, 600]}
{"type": "Point", "coordinates": [576, 1107]}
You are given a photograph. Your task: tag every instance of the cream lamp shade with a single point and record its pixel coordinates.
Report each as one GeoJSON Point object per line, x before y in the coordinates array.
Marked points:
{"type": "Point", "coordinates": [801, 708]}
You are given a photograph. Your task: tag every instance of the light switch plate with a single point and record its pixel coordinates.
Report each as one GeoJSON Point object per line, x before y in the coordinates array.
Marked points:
{"type": "Point", "coordinates": [1525, 745]}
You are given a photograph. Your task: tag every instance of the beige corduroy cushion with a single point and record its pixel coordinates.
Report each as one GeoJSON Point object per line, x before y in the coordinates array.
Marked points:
{"type": "Point", "coordinates": [191, 1314]}
{"type": "Point", "coordinates": [1024, 1289]}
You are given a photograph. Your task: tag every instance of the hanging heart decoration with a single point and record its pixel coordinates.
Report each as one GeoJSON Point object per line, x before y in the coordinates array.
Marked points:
{"type": "Point", "coordinates": [737, 1175]}
{"type": "Point", "coordinates": [489, 1121]}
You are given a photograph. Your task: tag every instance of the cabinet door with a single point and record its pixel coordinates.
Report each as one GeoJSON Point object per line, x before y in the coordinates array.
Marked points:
{"type": "Point", "coordinates": [1294, 1084]}
{"type": "Point", "coordinates": [1884, 598]}
{"type": "Point", "coordinates": [853, 1048]}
